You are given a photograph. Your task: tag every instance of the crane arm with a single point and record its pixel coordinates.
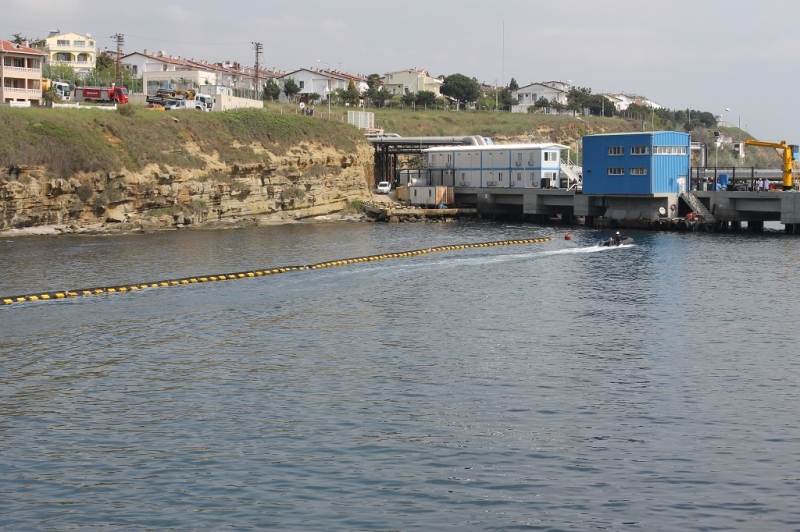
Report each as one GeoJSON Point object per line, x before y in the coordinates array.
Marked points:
{"type": "Point", "coordinates": [786, 153]}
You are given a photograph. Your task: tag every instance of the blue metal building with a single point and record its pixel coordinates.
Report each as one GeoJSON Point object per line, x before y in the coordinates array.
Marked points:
{"type": "Point", "coordinates": [644, 164]}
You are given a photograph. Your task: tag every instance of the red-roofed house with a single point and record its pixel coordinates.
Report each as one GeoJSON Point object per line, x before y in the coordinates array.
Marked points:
{"type": "Point", "coordinates": [20, 73]}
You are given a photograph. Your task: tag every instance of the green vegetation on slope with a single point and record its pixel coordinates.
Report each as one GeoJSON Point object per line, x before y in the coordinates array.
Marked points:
{"type": "Point", "coordinates": [69, 141]}
{"type": "Point", "coordinates": [555, 128]}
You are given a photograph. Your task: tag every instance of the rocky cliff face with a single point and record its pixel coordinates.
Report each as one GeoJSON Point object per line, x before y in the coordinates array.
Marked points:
{"type": "Point", "coordinates": [307, 180]}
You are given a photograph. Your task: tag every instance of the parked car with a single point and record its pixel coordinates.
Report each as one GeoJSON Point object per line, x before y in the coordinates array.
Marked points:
{"type": "Point", "coordinates": [384, 187]}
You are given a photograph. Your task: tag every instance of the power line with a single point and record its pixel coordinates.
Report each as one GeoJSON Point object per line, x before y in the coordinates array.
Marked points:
{"type": "Point", "coordinates": [204, 43]}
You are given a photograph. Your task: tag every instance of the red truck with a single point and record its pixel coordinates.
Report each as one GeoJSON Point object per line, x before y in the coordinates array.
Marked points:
{"type": "Point", "coordinates": [101, 94]}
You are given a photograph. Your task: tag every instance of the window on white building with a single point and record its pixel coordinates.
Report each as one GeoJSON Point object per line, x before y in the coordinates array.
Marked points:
{"type": "Point", "coordinates": [302, 85]}
{"type": "Point", "coordinates": [551, 156]}
{"type": "Point", "coordinates": [62, 43]}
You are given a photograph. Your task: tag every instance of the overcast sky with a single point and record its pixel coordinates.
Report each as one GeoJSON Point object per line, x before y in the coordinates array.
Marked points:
{"type": "Point", "coordinates": [705, 55]}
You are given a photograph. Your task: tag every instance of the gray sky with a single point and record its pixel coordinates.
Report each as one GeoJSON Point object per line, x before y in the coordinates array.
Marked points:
{"type": "Point", "coordinates": [700, 54]}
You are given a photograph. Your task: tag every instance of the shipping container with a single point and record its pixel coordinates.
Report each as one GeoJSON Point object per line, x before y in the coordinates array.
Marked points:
{"type": "Point", "coordinates": [431, 196]}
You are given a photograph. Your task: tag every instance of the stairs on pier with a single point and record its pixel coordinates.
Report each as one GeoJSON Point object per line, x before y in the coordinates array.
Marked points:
{"type": "Point", "coordinates": [573, 173]}
{"type": "Point", "coordinates": [697, 206]}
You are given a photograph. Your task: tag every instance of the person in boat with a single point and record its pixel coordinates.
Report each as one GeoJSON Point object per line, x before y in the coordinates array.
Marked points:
{"type": "Point", "coordinates": [617, 239]}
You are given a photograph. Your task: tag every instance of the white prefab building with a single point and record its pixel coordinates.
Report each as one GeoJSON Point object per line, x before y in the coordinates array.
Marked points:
{"type": "Point", "coordinates": [499, 166]}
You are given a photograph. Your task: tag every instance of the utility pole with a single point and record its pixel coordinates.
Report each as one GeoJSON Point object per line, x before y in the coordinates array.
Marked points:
{"type": "Point", "coordinates": [259, 48]}
{"type": "Point", "coordinates": [120, 40]}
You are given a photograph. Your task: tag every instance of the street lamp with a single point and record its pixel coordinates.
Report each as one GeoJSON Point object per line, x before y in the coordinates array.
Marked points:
{"type": "Point", "coordinates": [740, 122]}
{"type": "Point", "coordinates": [739, 127]}
{"type": "Point", "coordinates": [328, 86]}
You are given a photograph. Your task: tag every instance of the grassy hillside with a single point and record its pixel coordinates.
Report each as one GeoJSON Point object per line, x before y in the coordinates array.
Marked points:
{"type": "Point", "coordinates": [541, 127]}
{"type": "Point", "coordinates": [68, 141]}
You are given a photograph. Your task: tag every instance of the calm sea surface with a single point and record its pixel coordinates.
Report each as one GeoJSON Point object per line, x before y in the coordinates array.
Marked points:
{"type": "Point", "coordinates": [544, 387]}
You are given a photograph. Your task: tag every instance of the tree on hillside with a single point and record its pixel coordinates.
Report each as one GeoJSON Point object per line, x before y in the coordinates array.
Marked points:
{"type": "Point", "coordinates": [290, 89]}
{"type": "Point", "coordinates": [59, 72]}
{"type": "Point", "coordinates": [381, 96]}
{"type": "Point", "coordinates": [558, 106]}
{"type": "Point", "coordinates": [409, 98]}
{"type": "Point", "coordinates": [272, 90]}
{"type": "Point", "coordinates": [105, 61]}
{"type": "Point", "coordinates": [426, 98]}
{"type": "Point", "coordinates": [351, 94]}
{"type": "Point", "coordinates": [580, 98]}
{"type": "Point", "coordinates": [507, 100]}
{"type": "Point", "coordinates": [374, 81]}
{"type": "Point", "coordinates": [461, 88]}
{"type": "Point", "coordinates": [512, 85]}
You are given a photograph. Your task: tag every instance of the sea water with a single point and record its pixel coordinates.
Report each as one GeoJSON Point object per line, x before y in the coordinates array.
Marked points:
{"type": "Point", "coordinates": [551, 386]}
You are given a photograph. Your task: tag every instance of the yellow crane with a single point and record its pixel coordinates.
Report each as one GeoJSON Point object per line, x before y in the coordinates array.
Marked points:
{"type": "Point", "coordinates": [787, 153]}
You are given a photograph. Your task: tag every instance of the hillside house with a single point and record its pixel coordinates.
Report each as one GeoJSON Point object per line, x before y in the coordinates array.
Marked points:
{"type": "Point", "coordinates": [160, 70]}
{"type": "Point", "coordinates": [20, 73]}
{"type": "Point", "coordinates": [622, 101]}
{"type": "Point", "coordinates": [311, 81]}
{"type": "Point", "coordinates": [71, 49]}
{"type": "Point", "coordinates": [412, 80]}
{"type": "Point", "coordinates": [529, 94]}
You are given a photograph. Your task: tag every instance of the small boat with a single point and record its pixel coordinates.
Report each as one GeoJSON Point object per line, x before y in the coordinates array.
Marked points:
{"type": "Point", "coordinates": [627, 241]}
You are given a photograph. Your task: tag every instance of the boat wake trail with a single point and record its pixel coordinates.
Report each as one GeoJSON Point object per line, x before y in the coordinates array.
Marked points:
{"type": "Point", "coordinates": [575, 251]}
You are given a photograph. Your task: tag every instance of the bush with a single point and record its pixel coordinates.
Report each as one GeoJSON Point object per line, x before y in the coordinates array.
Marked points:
{"type": "Point", "coordinates": [84, 192]}
{"type": "Point", "coordinates": [112, 194]}
{"type": "Point", "coordinates": [353, 207]}
{"type": "Point", "coordinates": [126, 109]}
{"type": "Point", "coordinates": [292, 193]}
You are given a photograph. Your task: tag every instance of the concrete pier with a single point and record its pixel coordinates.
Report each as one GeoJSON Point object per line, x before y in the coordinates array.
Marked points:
{"type": "Point", "coordinates": [729, 208]}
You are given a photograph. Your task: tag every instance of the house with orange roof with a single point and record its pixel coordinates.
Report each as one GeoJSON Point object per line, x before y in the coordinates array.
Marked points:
{"type": "Point", "coordinates": [159, 69]}
{"type": "Point", "coordinates": [20, 73]}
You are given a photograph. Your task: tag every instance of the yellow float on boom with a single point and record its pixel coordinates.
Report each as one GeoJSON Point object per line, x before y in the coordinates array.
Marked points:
{"type": "Point", "coordinates": [786, 151]}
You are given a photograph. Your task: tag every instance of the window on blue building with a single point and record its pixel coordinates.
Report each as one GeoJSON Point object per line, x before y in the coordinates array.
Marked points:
{"type": "Point", "coordinates": [616, 150]}
{"type": "Point", "coordinates": [638, 171]}
{"type": "Point", "coordinates": [616, 171]}
{"type": "Point", "coordinates": [638, 150]}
